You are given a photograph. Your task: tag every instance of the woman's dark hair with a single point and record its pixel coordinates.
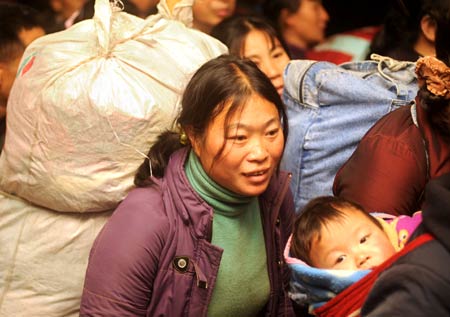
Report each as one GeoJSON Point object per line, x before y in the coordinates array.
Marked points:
{"type": "Point", "coordinates": [438, 108]}
{"type": "Point", "coordinates": [315, 216]}
{"type": "Point", "coordinates": [233, 31]}
{"type": "Point", "coordinates": [224, 80]}
{"type": "Point", "coordinates": [402, 27]}
{"type": "Point", "coordinates": [272, 9]}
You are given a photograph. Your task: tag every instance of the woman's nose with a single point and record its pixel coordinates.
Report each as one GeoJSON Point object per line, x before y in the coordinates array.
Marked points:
{"type": "Point", "coordinates": [324, 14]}
{"type": "Point", "coordinates": [258, 151]}
{"type": "Point", "coordinates": [271, 70]}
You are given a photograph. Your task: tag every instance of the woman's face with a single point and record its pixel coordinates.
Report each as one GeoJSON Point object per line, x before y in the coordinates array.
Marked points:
{"type": "Point", "coordinates": [271, 59]}
{"type": "Point", "coordinates": [308, 23]}
{"type": "Point", "coordinates": [208, 13]}
{"type": "Point", "coordinates": [253, 143]}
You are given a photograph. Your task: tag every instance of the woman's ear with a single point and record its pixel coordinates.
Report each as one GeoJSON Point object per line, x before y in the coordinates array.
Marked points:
{"type": "Point", "coordinates": [428, 27]}
{"type": "Point", "coordinates": [193, 139]}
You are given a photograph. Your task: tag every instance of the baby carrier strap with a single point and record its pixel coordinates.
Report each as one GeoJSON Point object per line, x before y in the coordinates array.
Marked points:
{"type": "Point", "coordinates": [349, 302]}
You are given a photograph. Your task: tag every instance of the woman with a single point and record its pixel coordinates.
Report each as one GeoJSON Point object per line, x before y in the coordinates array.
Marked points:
{"type": "Point", "coordinates": [408, 30]}
{"type": "Point", "coordinates": [393, 162]}
{"type": "Point", "coordinates": [302, 23]}
{"type": "Point", "coordinates": [208, 13]}
{"type": "Point", "coordinates": [255, 39]}
{"type": "Point", "coordinates": [204, 232]}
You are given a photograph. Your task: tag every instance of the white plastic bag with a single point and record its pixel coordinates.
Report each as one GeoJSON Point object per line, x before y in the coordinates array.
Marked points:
{"type": "Point", "coordinates": [88, 99]}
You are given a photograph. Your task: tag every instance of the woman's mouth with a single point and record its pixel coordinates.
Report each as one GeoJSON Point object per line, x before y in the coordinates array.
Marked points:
{"type": "Point", "coordinates": [259, 173]}
{"type": "Point", "coordinates": [223, 13]}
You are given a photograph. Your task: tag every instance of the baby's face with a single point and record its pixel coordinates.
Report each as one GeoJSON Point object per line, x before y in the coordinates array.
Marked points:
{"type": "Point", "coordinates": [351, 243]}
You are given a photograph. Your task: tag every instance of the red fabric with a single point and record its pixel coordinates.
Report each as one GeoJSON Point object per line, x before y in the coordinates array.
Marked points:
{"type": "Point", "coordinates": [330, 55]}
{"type": "Point", "coordinates": [332, 49]}
{"type": "Point", "coordinates": [366, 33]}
{"type": "Point", "coordinates": [350, 301]}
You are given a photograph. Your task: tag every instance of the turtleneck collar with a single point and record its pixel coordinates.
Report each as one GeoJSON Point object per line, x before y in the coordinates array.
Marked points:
{"type": "Point", "coordinates": [222, 200]}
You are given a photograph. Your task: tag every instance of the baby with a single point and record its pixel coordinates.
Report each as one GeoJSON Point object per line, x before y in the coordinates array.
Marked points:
{"type": "Point", "coordinates": [335, 243]}
{"type": "Point", "coordinates": [332, 233]}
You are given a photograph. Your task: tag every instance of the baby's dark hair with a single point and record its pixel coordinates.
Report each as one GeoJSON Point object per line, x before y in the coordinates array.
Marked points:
{"type": "Point", "coordinates": [315, 216]}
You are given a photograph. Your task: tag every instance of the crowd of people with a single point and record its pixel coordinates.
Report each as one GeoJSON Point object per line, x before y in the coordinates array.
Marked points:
{"type": "Point", "coordinates": [203, 218]}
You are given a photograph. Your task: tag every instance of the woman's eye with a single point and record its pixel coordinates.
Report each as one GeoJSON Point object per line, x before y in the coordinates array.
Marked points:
{"type": "Point", "coordinates": [340, 259]}
{"type": "Point", "coordinates": [273, 132]}
{"type": "Point", "coordinates": [278, 51]}
{"type": "Point", "coordinates": [363, 239]}
{"type": "Point", "coordinates": [237, 137]}
{"type": "Point", "coordinates": [277, 54]}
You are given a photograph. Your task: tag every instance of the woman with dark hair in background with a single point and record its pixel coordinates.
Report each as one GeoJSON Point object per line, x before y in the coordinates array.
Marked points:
{"type": "Point", "coordinates": [254, 38]}
{"type": "Point", "coordinates": [408, 31]}
{"type": "Point", "coordinates": [208, 13]}
{"type": "Point", "coordinates": [302, 23]}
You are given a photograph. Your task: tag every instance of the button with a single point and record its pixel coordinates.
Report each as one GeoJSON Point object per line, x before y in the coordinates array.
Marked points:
{"type": "Point", "coordinates": [181, 263]}
{"type": "Point", "coordinates": [277, 222]}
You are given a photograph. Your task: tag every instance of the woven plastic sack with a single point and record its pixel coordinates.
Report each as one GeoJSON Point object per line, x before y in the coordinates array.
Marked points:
{"type": "Point", "coordinates": [88, 101]}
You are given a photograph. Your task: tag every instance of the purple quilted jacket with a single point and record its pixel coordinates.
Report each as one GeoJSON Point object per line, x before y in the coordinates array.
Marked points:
{"type": "Point", "coordinates": [154, 256]}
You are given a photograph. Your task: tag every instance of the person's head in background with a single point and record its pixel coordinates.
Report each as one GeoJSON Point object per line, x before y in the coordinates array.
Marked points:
{"type": "Point", "coordinates": [145, 7]}
{"type": "Point", "coordinates": [408, 30]}
{"type": "Point", "coordinates": [333, 233]}
{"type": "Point", "coordinates": [66, 11]}
{"type": "Point", "coordinates": [442, 35]}
{"type": "Point", "coordinates": [234, 121]}
{"type": "Point", "coordinates": [19, 26]}
{"type": "Point", "coordinates": [56, 15]}
{"type": "Point", "coordinates": [254, 38]}
{"type": "Point", "coordinates": [302, 23]}
{"type": "Point", "coordinates": [208, 13]}
{"type": "Point", "coordinates": [434, 76]}
{"type": "Point", "coordinates": [138, 8]}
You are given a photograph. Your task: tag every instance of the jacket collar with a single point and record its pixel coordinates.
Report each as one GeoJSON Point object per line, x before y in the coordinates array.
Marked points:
{"type": "Point", "coordinates": [193, 209]}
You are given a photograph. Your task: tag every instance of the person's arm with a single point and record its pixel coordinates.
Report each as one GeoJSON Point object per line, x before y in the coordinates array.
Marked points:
{"type": "Point", "coordinates": [417, 286]}
{"type": "Point", "coordinates": [124, 259]}
{"type": "Point", "coordinates": [382, 175]}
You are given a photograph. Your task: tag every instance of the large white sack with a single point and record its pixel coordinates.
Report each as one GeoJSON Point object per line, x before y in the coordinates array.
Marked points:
{"type": "Point", "coordinates": [88, 99]}
{"type": "Point", "coordinates": [43, 258]}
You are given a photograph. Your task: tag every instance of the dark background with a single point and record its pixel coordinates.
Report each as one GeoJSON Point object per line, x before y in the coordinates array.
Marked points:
{"type": "Point", "coordinates": [349, 14]}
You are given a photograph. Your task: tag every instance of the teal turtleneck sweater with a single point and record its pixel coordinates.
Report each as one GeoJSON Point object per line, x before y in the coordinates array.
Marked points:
{"type": "Point", "coordinates": [242, 286]}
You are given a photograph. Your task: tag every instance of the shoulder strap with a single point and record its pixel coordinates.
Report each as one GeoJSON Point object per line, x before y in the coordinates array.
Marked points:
{"type": "Point", "coordinates": [350, 301]}
{"type": "Point", "coordinates": [425, 147]}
